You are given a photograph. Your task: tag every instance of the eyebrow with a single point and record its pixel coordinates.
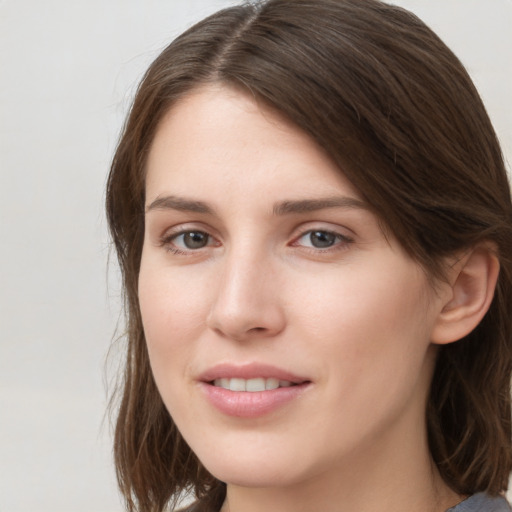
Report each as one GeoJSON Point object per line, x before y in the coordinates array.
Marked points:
{"type": "Point", "coordinates": [282, 208]}
{"type": "Point", "coordinates": [180, 204]}
{"type": "Point", "coordinates": [311, 205]}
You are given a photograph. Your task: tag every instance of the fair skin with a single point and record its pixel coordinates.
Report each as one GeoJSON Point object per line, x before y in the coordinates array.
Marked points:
{"type": "Point", "coordinates": [259, 256]}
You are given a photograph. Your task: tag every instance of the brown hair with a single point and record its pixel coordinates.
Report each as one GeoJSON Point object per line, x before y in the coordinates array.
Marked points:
{"type": "Point", "coordinates": [392, 105]}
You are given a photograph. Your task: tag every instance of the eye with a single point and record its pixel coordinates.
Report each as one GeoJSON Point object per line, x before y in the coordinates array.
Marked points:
{"type": "Point", "coordinates": [192, 239]}
{"type": "Point", "coordinates": [186, 241]}
{"type": "Point", "coordinates": [321, 239]}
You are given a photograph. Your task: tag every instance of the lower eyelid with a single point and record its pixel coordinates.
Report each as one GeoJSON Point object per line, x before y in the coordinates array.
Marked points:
{"type": "Point", "coordinates": [174, 250]}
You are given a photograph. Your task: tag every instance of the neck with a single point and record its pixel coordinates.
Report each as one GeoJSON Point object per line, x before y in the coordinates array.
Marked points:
{"type": "Point", "coordinates": [383, 479]}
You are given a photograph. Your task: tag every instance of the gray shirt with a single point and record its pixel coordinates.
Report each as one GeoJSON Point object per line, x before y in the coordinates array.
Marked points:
{"type": "Point", "coordinates": [482, 503]}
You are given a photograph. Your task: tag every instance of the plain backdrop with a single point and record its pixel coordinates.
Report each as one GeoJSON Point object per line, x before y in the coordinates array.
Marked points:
{"type": "Point", "coordinates": [68, 71]}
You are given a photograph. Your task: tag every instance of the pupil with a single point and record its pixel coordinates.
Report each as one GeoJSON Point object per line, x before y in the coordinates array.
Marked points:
{"type": "Point", "coordinates": [195, 239]}
{"type": "Point", "coordinates": [321, 239]}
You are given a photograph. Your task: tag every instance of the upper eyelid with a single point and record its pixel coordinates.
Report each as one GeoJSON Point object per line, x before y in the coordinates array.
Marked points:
{"type": "Point", "coordinates": [187, 227]}
{"type": "Point", "coordinates": [335, 229]}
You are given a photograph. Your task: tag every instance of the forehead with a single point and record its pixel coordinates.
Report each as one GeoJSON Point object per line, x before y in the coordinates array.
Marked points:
{"type": "Point", "coordinates": [221, 136]}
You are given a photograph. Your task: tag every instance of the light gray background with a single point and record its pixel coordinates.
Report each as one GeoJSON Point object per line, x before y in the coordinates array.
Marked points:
{"type": "Point", "coordinates": [68, 70]}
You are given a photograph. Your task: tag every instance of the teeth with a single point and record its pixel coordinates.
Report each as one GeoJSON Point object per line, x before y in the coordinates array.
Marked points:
{"type": "Point", "coordinates": [237, 385]}
{"type": "Point", "coordinates": [272, 383]}
{"type": "Point", "coordinates": [251, 385]}
{"type": "Point", "coordinates": [254, 385]}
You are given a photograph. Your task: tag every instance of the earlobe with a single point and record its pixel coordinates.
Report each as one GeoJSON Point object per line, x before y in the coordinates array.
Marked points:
{"type": "Point", "coordinates": [473, 282]}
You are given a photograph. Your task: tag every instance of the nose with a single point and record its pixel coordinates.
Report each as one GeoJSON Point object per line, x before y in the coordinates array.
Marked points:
{"type": "Point", "coordinates": [246, 303]}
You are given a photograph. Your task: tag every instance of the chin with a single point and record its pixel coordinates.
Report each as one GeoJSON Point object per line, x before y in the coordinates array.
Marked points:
{"type": "Point", "coordinates": [256, 464]}
{"type": "Point", "coordinates": [247, 474]}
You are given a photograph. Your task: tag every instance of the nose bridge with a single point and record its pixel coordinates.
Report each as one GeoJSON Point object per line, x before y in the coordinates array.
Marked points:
{"type": "Point", "coordinates": [246, 301]}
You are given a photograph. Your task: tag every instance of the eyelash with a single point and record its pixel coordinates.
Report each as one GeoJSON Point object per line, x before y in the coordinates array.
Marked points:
{"type": "Point", "coordinates": [167, 241]}
{"type": "Point", "coordinates": [341, 242]}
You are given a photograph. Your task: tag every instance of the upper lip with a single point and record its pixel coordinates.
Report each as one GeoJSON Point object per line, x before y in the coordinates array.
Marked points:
{"type": "Point", "coordinates": [249, 371]}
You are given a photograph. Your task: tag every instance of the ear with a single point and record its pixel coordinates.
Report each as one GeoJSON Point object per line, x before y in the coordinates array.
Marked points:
{"type": "Point", "coordinates": [471, 290]}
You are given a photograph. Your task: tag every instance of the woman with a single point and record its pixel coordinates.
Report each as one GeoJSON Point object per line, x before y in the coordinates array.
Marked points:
{"type": "Point", "coordinates": [314, 225]}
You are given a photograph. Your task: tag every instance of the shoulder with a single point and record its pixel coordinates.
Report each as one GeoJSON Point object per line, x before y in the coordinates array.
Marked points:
{"type": "Point", "coordinates": [482, 502]}
{"type": "Point", "coordinates": [191, 508]}
{"type": "Point", "coordinates": [197, 506]}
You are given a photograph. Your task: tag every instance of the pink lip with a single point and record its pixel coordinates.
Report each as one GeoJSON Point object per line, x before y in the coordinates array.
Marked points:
{"type": "Point", "coordinates": [249, 371]}
{"type": "Point", "coordinates": [244, 404]}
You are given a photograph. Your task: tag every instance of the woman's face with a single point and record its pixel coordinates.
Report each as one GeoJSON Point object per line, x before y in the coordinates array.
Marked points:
{"type": "Point", "coordinates": [262, 267]}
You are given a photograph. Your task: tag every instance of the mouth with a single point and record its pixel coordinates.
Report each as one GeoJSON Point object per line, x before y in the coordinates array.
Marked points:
{"type": "Point", "coordinates": [251, 385]}
{"type": "Point", "coordinates": [251, 390]}
{"type": "Point", "coordinates": [252, 377]}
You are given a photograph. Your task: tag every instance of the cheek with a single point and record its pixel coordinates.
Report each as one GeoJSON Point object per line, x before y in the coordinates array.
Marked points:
{"type": "Point", "coordinates": [370, 328]}
{"type": "Point", "coordinates": [173, 314]}
{"type": "Point", "coordinates": [369, 336]}
{"type": "Point", "coordinates": [355, 301]}
{"type": "Point", "coordinates": [171, 300]}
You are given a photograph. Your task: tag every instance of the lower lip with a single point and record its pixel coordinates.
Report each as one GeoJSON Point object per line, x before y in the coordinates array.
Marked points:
{"type": "Point", "coordinates": [251, 404]}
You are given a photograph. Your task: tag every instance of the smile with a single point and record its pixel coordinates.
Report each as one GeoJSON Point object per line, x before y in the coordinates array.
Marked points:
{"type": "Point", "coordinates": [251, 390]}
{"type": "Point", "coordinates": [251, 385]}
